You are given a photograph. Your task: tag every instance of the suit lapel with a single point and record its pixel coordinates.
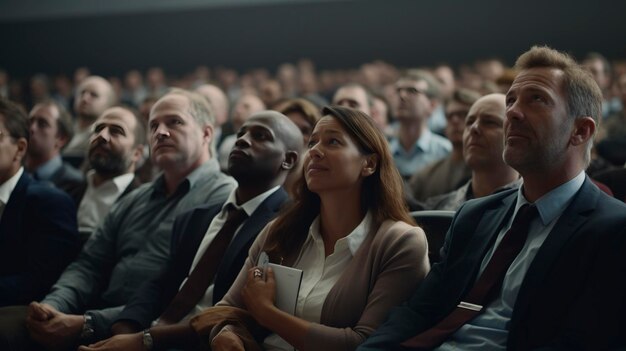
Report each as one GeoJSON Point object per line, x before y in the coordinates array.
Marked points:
{"type": "Point", "coordinates": [567, 225]}
{"type": "Point", "coordinates": [251, 227]}
{"type": "Point", "coordinates": [12, 213]}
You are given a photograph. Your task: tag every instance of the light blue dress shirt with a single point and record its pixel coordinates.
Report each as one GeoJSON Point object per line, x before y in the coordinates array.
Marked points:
{"type": "Point", "coordinates": [429, 148]}
{"type": "Point", "coordinates": [47, 170]}
{"type": "Point", "coordinates": [489, 330]}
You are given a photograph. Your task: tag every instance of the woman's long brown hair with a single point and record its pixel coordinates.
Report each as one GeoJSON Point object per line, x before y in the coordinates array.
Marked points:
{"type": "Point", "coordinates": [381, 192]}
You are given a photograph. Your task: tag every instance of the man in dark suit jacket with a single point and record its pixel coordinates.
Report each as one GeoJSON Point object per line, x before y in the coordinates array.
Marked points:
{"type": "Point", "coordinates": [38, 236]}
{"type": "Point", "coordinates": [265, 151]}
{"type": "Point", "coordinates": [50, 127]}
{"type": "Point", "coordinates": [563, 288]}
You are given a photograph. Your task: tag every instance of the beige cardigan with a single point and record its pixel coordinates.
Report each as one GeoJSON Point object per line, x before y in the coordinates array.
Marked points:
{"type": "Point", "coordinates": [384, 272]}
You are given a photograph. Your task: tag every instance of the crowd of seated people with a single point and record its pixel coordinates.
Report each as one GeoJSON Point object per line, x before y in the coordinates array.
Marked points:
{"type": "Point", "coordinates": [134, 211]}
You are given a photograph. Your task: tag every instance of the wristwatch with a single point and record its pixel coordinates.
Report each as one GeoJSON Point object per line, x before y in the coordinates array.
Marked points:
{"type": "Point", "coordinates": [88, 328]}
{"type": "Point", "coordinates": [148, 343]}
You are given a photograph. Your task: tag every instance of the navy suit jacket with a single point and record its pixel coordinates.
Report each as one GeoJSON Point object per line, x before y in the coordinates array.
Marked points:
{"type": "Point", "coordinates": [189, 229]}
{"type": "Point", "coordinates": [573, 296]}
{"type": "Point", "coordinates": [38, 239]}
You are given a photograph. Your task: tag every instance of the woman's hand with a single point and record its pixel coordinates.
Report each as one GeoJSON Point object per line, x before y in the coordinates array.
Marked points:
{"type": "Point", "coordinates": [258, 294]}
{"type": "Point", "coordinates": [130, 342]}
{"type": "Point", "coordinates": [226, 340]}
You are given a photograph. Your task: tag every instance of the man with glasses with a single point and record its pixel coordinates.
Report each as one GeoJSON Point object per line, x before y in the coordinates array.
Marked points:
{"type": "Point", "coordinates": [416, 146]}
{"type": "Point", "coordinates": [448, 173]}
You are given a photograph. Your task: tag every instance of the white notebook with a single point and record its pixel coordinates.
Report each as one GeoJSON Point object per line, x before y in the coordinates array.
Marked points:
{"type": "Point", "coordinates": [288, 282]}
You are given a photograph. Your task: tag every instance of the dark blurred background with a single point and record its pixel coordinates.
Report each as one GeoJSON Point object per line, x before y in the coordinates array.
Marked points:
{"type": "Point", "coordinates": [113, 36]}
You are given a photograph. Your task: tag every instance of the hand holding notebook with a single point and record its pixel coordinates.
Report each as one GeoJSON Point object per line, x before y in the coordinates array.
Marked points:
{"type": "Point", "coordinates": [287, 283]}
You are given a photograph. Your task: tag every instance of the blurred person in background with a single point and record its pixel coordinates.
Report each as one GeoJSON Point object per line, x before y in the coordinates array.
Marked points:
{"type": "Point", "coordinates": [415, 146]}
{"type": "Point", "coordinates": [134, 91]}
{"type": "Point", "coordinates": [355, 96]}
{"type": "Point", "coordinates": [600, 70]}
{"type": "Point", "coordinates": [305, 115]}
{"type": "Point", "coordinates": [244, 107]}
{"type": "Point", "coordinates": [450, 172]}
{"type": "Point", "coordinates": [50, 127]}
{"type": "Point", "coordinates": [93, 96]}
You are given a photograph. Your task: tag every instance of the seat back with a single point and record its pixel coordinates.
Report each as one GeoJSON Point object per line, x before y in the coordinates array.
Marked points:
{"type": "Point", "coordinates": [435, 224]}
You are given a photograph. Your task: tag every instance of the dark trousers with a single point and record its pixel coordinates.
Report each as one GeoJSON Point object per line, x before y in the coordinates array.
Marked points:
{"type": "Point", "coordinates": [13, 332]}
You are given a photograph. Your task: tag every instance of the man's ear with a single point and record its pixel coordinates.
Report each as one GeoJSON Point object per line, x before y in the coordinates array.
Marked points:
{"type": "Point", "coordinates": [62, 140]}
{"type": "Point", "coordinates": [370, 164]}
{"type": "Point", "coordinates": [207, 134]}
{"type": "Point", "coordinates": [584, 129]}
{"type": "Point", "coordinates": [138, 153]}
{"type": "Point", "coordinates": [22, 146]}
{"type": "Point", "coordinates": [290, 161]}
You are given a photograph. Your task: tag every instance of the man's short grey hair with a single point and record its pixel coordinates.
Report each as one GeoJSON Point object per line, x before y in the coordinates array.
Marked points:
{"type": "Point", "coordinates": [199, 107]}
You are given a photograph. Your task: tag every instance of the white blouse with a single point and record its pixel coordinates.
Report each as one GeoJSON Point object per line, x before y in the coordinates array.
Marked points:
{"type": "Point", "coordinates": [320, 273]}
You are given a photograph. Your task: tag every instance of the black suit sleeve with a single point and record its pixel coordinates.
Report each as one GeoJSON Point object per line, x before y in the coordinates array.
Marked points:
{"type": "Point", "coordinates": [51, 238]}
{"type": "Point", "coordinates": [597, 319]}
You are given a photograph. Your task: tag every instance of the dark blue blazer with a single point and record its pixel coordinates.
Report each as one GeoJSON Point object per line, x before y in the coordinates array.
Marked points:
{"type": "Point", "coordinates": [573, 296]}
{"type": "Point", "coordinates": [38, 239]}
{"type": "Point", "coordinates": [189, 229]}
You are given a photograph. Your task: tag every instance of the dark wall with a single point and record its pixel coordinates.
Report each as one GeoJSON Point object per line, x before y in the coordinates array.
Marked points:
{"type": "Point", "coordinates": [334, 35]}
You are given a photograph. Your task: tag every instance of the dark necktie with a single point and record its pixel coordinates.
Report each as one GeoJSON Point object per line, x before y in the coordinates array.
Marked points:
{"type": "Point", "coordinates": [486, 287]}
{"type": "Point", "coordinates": [202, 275]}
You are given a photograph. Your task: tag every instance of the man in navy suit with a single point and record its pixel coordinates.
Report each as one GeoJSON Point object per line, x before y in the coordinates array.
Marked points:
{"type": "Point", "coordinates": [563, 287]}
{"type": "Point", "coordinates": [265, 151]}
{"type": "Point", "coordinates": [38, 234]}
{"type": "Point", "coordinates": [50, 127]}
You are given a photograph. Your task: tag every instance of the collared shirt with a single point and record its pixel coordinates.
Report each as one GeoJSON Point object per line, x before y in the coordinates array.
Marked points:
{"type": "Point", "coordinates": [98, 200]}
{"type": "Point", "coordinates": [47, 170]}
{"type": "Point", "coordinates": [216, 224]}
{"type": "Point", "coordinates": [132, 244]}
{"type": "Point", "coordinates": [7, 187]}
{"type": "Point", "coordinates": [437, 120]}
{"type": "Point", "coordinates": [320, 273]}
{"type": "Point", "coordinates": [428, 149]}
{"type": "Point", "coordinates": [489, 330]}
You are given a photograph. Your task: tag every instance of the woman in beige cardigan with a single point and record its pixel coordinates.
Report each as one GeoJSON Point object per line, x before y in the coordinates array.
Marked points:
{"type": "Point", "coordinates": [348, 230]}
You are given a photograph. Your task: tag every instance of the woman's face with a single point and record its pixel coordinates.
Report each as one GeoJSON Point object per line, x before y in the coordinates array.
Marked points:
{"type": "Point", "coordinates": [333, 161]}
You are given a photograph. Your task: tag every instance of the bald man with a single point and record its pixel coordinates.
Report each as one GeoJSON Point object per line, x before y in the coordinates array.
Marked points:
{"type": "Point", "coordinates": [94, 95]}
{"type": "Point", "coordinates": [265, 151]}
{"type": "Point", "coordinates": [483, 143]}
